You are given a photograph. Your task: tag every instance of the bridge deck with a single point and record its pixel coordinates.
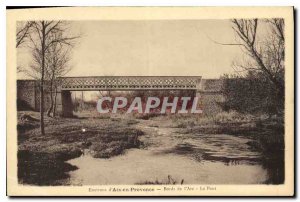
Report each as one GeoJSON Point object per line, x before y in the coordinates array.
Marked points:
{"type": "Point", "coordinates": [130, 83]}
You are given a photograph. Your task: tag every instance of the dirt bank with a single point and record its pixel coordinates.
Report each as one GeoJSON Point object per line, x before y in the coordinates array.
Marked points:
{"type": "Point", "coordinates": [42, 159]}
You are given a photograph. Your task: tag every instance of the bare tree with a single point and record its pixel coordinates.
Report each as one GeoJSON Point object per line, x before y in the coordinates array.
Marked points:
{"type": "Point", "coordinates": [58, 58]}
{"type": "Point", "coordinates": [41, 40]}
{"type": "Point", "coordinates": [268, 54]}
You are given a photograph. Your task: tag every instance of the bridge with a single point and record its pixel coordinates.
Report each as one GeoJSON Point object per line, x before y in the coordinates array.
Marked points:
{"type": "Point", "coordinates": [120, 83]}
{"type": "Point", "coordinates": [28, 89]}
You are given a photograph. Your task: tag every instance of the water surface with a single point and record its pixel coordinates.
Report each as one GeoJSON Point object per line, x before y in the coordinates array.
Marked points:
{"type": "Point", "coordinates": [186, 158]}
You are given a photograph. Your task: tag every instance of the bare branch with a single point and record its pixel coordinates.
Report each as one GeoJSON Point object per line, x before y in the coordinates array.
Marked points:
{"type": "Point", "coordinates": [22, 33]}
{"type": "Point", "coordinates": [263, 55]}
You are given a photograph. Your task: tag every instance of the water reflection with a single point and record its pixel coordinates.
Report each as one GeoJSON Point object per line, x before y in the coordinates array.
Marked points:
{"type": "Point", "coordinates": [140, 166]}
{"type": "Point", "coordinates": [194, 158]}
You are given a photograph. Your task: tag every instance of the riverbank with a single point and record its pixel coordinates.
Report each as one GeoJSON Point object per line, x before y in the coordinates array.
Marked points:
{"type": "Point", "coordinates": [42, 159]}
{"type": "Point", "coordinates": [268, 132]}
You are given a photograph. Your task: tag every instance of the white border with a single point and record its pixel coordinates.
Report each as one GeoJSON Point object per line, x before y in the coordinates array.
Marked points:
{"type": "Point", "coordinates": [3, 4]}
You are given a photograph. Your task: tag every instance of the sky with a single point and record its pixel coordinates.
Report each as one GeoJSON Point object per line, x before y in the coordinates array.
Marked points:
{"type": "Point", "coordinates": [150, 48]}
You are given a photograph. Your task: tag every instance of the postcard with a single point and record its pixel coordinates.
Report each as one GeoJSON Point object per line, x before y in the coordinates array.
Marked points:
{"type": "Point", "coordinates": [150, 101]}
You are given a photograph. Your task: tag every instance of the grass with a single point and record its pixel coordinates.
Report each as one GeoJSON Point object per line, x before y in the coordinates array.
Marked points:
{"type": "Point", "coordinates": [39, 157]}
{"type": "Point", "coordinates": [114, 143]}
{"type": "Point", "coordinates": [226, 122]}
{"type": "Point", "coordinates": [147, 116]}
{"type": "Point", "coordinates": [233, 117]}
{"type": "Point", "coordinates": [168, 181]}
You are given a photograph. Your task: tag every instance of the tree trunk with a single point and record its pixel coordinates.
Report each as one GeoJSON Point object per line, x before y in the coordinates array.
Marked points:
{"type": "Point", "coordinates": [51, 98]}
{"type": "Point", "coordinates": [42, 107]}
{"type": "Point", "coordinates": [54, 106]}
{"type": "Point", "coordinates": [42, 79]}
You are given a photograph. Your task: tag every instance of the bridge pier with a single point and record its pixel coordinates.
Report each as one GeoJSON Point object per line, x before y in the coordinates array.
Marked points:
{"type": "Point", "coordinates": [198, 93]}
{"type": "Point", "coordinates": [64, 103]}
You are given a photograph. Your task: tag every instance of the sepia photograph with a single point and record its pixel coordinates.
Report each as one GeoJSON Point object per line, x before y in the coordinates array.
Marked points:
{"type": "Point", "coordinates": [144, 103]}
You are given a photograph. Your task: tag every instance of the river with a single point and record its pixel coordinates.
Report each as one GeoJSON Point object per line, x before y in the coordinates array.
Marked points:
{"type": "Point", "coordinates": [169, 156]}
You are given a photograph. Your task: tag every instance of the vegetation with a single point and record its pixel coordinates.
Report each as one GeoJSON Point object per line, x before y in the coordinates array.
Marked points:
{"type": "Point", "coordinates": [41, 158]}
{"type": "Point", "coordinates": [262, 87]}
{"type": "Point", "coordinates": [168, 181]}
{"type": "Point", "coordinates": [253, 94]}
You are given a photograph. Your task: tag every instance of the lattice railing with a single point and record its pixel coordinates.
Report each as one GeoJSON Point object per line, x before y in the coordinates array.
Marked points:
{"type": "Point", "coordinates": [129, 82]}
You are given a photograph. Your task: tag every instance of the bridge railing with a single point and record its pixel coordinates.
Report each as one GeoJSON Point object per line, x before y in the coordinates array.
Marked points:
{"type": "Point", "coordinates": [130, 82]}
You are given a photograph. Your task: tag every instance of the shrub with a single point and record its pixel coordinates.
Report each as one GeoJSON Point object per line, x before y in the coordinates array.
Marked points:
{"type": "Point", "coordinates": [253, 94]}
{"type": "Point", "coordinates": [233, 116]}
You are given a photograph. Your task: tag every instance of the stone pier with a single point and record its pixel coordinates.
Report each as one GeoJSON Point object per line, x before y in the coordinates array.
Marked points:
{"type": "Point", "coordinates": [66, 106]}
